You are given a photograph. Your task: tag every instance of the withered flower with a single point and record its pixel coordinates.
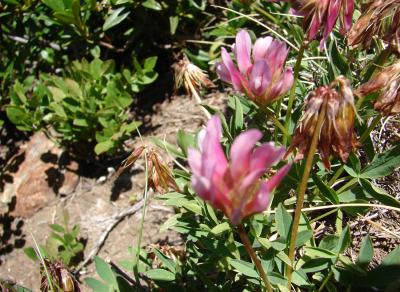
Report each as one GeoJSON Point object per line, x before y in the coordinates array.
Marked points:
{"type": "Point", "coordinates": [62, 279]}
{"type": "Point", "coordinates": [158, 172]}
{"type": "Point", "coordinates": [320, 16]}
{"type": "Point", "coordinates": [379, 18]}
{"type": "Point", "coordinates": [387, 84]}
{"type": "Point", "coordinates": [337, 135]}
{"type": "Point", "coordinates": [190, 76]}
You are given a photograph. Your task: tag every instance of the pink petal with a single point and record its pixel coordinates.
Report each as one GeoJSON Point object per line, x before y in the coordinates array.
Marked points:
{"type": "Point", "coordinates": [194, 160]}
{"type": "Point", "coordinates": [277, 55]}
{"type": "Point", "coordinates": [260, 77]}
{"type": "Point", "coordinates": [348, 15]}
{"type": "Point", "coordinates": [283, 85]}
{"type": "Point", "coordinates": [202, 187]}
{"type": "Point", "coordinates": [259, 203]}
{"type": "Point", "coordinates": [243, 50]}
{"type": "Point", "coordinates": [261, 48]}
{"type": "Point", "coordinates": [223, 73]}
{"type": "Point", "coordinates": [214, 160]}
{"type": "Point", "coordinates": [333, 13]}
{"type": "Point", "coordinates": [266, 156]}
{"type": "Point", "coordinates": [234, 73]}
{"type": "Point", "coordinates": [274, 181]}
{"type": "Point", "coordinates": [241, 151]}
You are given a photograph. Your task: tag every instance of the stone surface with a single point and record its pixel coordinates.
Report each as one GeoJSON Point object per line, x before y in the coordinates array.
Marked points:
{"type": "Point", "coordinates": [38, 178]}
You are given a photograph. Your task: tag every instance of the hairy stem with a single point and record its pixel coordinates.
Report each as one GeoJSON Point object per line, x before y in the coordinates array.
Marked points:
{"type": "Point", "coordinates": [293, 90]}
{"type": "Point", "coordinates": [197, 97]}
{"type": "Point", "coordinates": [252, 254]}
{"type": "Point", "coordinates": [302, 191]}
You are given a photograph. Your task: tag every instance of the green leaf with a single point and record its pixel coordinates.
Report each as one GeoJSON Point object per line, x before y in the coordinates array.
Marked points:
{"type": "Point", "coordinates": [393, 258]}
{"type": "Point", "coordinates": [31, 253]}
{"type": "Point", "coordinates": [326, 192]}
{"type": "Point", "coordinates": [96, 285]}
{"type": "Point", "coordinates": [185, 140]}
{"type": "Point", "coordinates": [383, 164]}
{"type": "Point", "coordinates": [115, 18]}
{"type": "Point", "coordinates": [173, 24]}
{"type": "Point", "coordinates": [104, 271]}
{"type": "Point", "coordinates": [167, 262]}
{"type": "Point", "coordinates": [150, 63]}
{"type": "Point", "coordinates": [366, 252]}
{"type": "Point", "coordinates": [56, 5]}
{"type": "Point", "coordinates": [103, 147]}
{"type": "Point", "coordinates": [303, 237]}
{"type": "Point", "coordinates": [80, 123]}
{"type": "Point", "coordinates": [160, 275]}
{"type": "Point", "coordinates": [221, 228]}
{"type": "Point", "coordinates": [283, 221]}
{"type": "Point", "coordinates": [244, 268]}
{"type": "Point", "coordinates": [238, 116]}
{"type": "Point", "coordinates": [344, 241]}
{"type": "Point", "coordinates": [316, 265]}
{"type": "Point", "coordinates": [315, 252]}
{"type": "Point", "coordinates": [152, 4]}
{"type": "Point", "coordinates": [379, 194]}
{"type": "Point", "coordinates": [57, 227]}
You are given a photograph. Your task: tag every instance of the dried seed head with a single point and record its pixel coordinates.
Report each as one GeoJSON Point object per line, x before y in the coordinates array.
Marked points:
{"type": "Point", "coordinates": [387, 84]}
{"type": "Point", "coordinates": [60, 276]}
{"type": "Point", "coordinates": [131, 159]}
{"type": "Point", "coordinates": [190, 76]}
{"type": "Point", "coordinates": [337, 135]}
{"type": "Point", "coordinates": [160, 176]}
{"type": "Point", "coordinates": [379, 18]}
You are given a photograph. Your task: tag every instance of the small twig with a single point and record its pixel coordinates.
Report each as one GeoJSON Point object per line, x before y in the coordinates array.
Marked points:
{"type": "Point", "coordinates": [381, 227]}
{"type": "Point", "coordinates": [114, 221]}
{"type": "Point", "coordinates": [122, 273]}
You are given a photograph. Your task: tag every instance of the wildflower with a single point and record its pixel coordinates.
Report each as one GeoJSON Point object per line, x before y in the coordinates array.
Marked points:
{"type": "Point", "coordinates": [235, 188]}
{"type": "Point", "coordinates": [321, 16]}
{"type": "Point", "coordinates": [190, 76]}
{"type": "Point", "coordinates": [387, 84]}
{"type": "Point", "coordinates": [379, 18]}
{"type": "Point", "coordinates": [259, 72]}
{"type": "Point", "coordinates": [159, 176]}
{"type": "Point", "coordinates": [337, 134]}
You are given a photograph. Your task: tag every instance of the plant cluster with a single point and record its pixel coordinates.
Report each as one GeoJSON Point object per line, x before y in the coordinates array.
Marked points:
{"type": "Point", "coordinates": [292, 155]}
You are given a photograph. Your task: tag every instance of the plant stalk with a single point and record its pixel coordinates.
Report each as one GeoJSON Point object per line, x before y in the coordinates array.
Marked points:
{"type": "Point", "coordinates": [246, 241]}
{"type": "Point", "coordinates": [276, 122]}
{"type": "Point", "coordinates": [197, 97]}
{"type": "Point", "coordinates": [293, 89]}
{"type": "Point", "coordinates": [302, 191]}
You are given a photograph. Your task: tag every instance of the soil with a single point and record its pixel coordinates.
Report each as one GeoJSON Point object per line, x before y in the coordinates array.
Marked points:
{"type": "Point", "coordinates": [98, 198]}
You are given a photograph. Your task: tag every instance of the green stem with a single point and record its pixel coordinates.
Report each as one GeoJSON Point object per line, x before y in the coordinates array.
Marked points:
{"type": "Point", "coordinates": [325, 281]}
{"type": "Point", "coordinates": [302, 191]}
{"type": "Point", "coordinates": [265, 13]}
{"type": "Point", "coordinates": [371, 127]}
{"type": "Point", "coordinates": [293, 90]}
{"type": "Point", "coordinates": [323, 215]}
{"type": "Point", "coordinates": [347, 185]}
{"type": "Point", "coordinates": [277, 123]}
{"type": "Point", "coordinates": [136, 267]}
{"type": "Point", "coordinates": [252, 254]}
